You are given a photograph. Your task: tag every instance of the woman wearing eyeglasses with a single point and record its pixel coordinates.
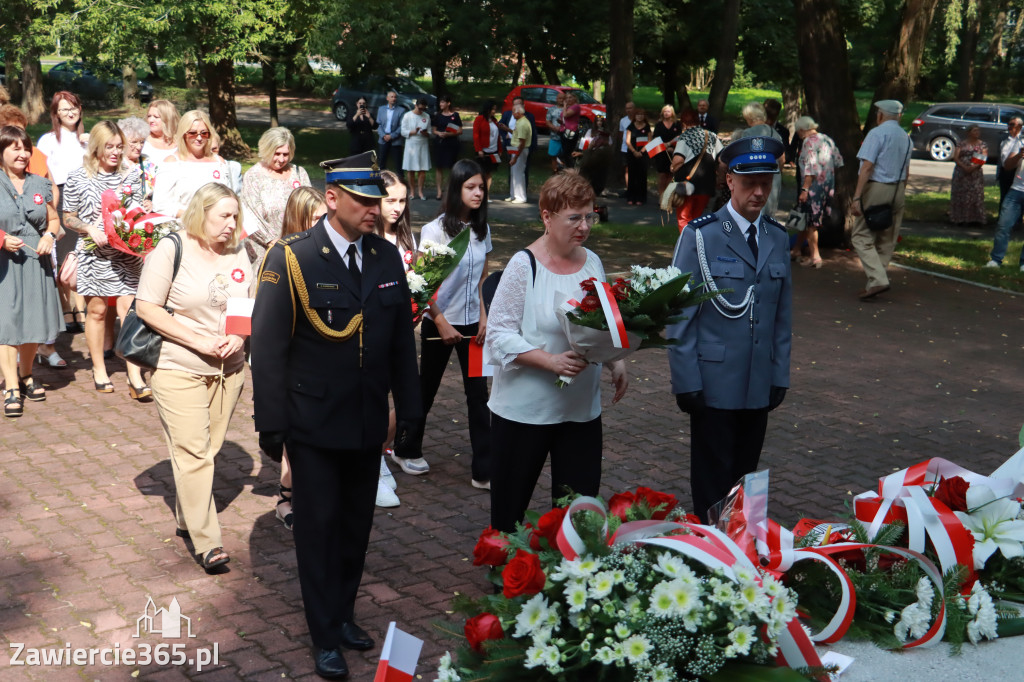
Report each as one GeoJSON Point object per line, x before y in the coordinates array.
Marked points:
{"type": "Point", "coordinates": [190, 166]}
{"type": "Point", "coordinates": [103, 271]}
{"type": "Point", "coordinates": [531, 416]}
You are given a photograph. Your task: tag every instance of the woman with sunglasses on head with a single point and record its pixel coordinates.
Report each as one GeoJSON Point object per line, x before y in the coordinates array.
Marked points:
{"type": "Point", "coordinates": [394, 225]}
{"type": "Point", "coordinates": [64, 147]}
{"type": "Point", "coordinates": [530, 415]}
{"type": "Point", "coordinates": [103, 271]}
{"type": "Point", "coordinates": [191, 165]}
{"type": "Point", "coordinates": [456, 317]}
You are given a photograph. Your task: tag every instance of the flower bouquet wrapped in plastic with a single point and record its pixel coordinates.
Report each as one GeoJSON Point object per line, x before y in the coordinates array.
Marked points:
{"type": "Point", "coordinates": [614, 319]}
{"type": "Point", "coordinates": [430, 270]}
{"type": "Point", "coordinates": [130, 229]}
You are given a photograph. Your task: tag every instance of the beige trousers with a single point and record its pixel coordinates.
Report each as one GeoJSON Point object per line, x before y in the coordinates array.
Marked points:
{"type": "Point", "coordinates": [195, 411]}
{"type": "Point", "coordinates": [875, 248]}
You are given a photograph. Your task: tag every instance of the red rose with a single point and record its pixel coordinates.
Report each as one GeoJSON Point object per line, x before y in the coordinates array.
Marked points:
{"type": "Point", "coordinates": [590, 303]}
{"type": "Point", "coordinates": [490, 548]}
{"type": "Point", "coordinates": [655, 499]}
{"type": "Point", "coordinates": [523, 575]}
{"type": "Point", "coordinates": [620, 291]}
{"type": "Point", "coordinates": [134, 241]}
{"type": "Point", "coordinates": [620, 504]}
{"type": "Point", "coordinates": [148, 227]}
{"type": "Point", "coordinates": [588, 284]}
{"type": "Point", "coordinates": [148, 244]}
{"type": "Point", "coordinates": [481, 628]}
{"type": "Point", "coordinates": [952, 492]}
{"type": "Point", "coordinates": [535, 537]}
{"type": "Point", "coordinates": [549, 524]}
{"type": "Point", "coordinates": [692, 518]}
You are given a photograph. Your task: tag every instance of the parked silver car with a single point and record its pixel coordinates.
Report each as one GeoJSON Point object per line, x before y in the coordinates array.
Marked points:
{"type": "Point", "coordinates": [939, 129]}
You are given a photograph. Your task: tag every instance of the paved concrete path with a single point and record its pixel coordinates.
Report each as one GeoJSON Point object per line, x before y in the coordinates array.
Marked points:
{"type": "Point", "coordinates": [86, 491]}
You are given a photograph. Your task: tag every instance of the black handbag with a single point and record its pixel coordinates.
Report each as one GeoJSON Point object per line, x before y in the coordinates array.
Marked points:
{"type": "Point", "coordinates": [137, 342]}
{"type": "Point", "coordinates": [878, 217]}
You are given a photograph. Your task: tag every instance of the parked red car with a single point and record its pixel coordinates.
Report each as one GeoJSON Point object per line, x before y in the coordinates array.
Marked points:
{"type": "Point", "coordinates": [539, 98]}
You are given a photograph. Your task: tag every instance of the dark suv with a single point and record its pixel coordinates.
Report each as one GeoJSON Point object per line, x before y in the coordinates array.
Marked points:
{"type": "Point", "coordinates": [940, 128]}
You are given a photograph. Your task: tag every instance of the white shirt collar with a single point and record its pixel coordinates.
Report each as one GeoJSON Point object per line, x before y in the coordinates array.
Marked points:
{"type": "Point", "coordinates": [342, 244]}
{"type": "Point", "coordinates": [742, 222]}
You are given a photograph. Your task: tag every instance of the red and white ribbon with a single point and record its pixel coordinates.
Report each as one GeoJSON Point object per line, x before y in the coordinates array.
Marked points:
{"type": "Point", "coordinates": [612, 314]}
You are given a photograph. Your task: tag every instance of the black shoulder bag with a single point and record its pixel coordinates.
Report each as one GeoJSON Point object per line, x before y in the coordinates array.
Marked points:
{"type": "Point", "coordinates": [878, 218]}
{"type": "Point", "coordinates": [137, 342]}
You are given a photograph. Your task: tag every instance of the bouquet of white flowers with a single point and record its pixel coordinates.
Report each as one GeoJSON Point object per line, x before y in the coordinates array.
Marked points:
{"type": "Point", "coordinates": [435, 263]}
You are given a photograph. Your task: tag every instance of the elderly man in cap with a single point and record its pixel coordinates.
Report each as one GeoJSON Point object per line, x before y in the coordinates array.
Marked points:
{"type": "Point", "coordinates": [731, 366]}
{"type": "Point", "coordinates": [884, 165]}
{"type": "Point", "coordinates": [331, 336]}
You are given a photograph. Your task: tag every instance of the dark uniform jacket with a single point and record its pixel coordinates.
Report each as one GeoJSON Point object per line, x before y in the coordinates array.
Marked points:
{"type": "Point", "coordinates": [320, 391]}
{"type": "Point", "coordinates": [735, 362]}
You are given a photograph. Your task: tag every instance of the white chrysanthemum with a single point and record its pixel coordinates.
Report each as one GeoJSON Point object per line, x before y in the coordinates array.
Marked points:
{"type": "Point", "coordinates": [633, 606]}
{"type": "Point", "coordinates": [534, 615]}
{"type": "Point", "coordinates": [605, 655]}
{"type": "Point", "coordinates": [576, 595]}
{"type": "Point", "coordinates": [436, 249]}
{"type": "Point", "coordinates": [750, 599]}
{"type": "Point", "coordinates": [445, 671]}
{"type": "Point", "coordinates": [980, 605]}
{"type": "Point", "coordinates": [585, 646]}
{"type": "Point", "coordinates": [925, 593]}
{"type": "Point", "coordinates": [622, 630]}
{"type": "Point", "coordinates": [662, 602]}
{"type": "Point", "coordinates": [742, 638]}
{"type": "Point", "coordinates": [913, 623]}
{"type": "Point", "coordinates": [636, 649]}
{"type": "Point", "coordinates": [692, 621]}
{"type": "Point", "coordinates": [783, 608]}
{"type": "Point", "coordinates": [686, 596]}
{"type": "Point", "coordinates": [772, 587]}
{"type": "Point", "coordinates": [744, 574]}
{"type": "Point", "coordinates": [588, 566]}
{"type": "Point", "coordinates": [721, 592]}
{"type": "Point", "coordinates": [552, 659]}
{"type": "Point", "coordinates": [534, 657]}
{"type": "Point", "coordinates": [541, 636]}
{"type": "Point", "coordinates": [601, 585]}
{"type": "Point", "coordinates": [889, 616]}
{"type": "Point", "coordinates": [416, 282]}
{"type": "Point", "coordinates": [662, 673]}
{"type": "Point", "coordinates": [669, 564]}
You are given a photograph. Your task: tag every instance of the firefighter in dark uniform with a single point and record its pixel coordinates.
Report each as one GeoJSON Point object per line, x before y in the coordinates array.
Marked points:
{"type": "Point", "coordinates": [731, 366]}
{"type": "Point", "coordinates": [332, 334]}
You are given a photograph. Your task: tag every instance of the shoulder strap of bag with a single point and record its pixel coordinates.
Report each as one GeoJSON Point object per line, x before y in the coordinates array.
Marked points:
{"type": "Point", "coordinates": [176, 238]}
{"type": "Point", "coordinates": [533, 264]}
{"type": "Point", "coordinates": [699, 158]}
{"type": "Point", "coordinates": [896, 186]}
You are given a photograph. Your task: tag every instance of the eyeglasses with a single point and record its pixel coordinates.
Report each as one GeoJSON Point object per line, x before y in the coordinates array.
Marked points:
{"type": "Point", "coordinates": [193, 134]}
{"type": "Point", "coordinates": [576, 218]}
{"type": "Point", "coordinates": [65, 112]}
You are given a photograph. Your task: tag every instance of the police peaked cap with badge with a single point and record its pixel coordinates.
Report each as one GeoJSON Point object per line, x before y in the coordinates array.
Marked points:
{"type": "Point", "coordinates": [357, 174]}
{"type": "Point", "coordinates": [751, 155]}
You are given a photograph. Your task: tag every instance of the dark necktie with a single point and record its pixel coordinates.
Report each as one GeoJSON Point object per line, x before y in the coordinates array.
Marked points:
{"type": "Point", "coordinates": [353, 267]}
{"type": "Point", "coordinates": [751, 240]}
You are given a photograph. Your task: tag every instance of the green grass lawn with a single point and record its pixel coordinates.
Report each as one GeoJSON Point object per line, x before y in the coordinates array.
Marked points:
{"type": "Point", "coordinates": [963, 258]}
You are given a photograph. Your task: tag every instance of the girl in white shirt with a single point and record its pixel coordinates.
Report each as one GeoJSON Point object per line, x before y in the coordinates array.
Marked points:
{"type": "Point", "coordinates": [456, 318]}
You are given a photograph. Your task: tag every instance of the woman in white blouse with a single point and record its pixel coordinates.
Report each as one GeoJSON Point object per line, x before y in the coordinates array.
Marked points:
{"type": "Point", "coordinates": [530, 415]}
{"type": "Point", "coordinates": [191, 165]}
{"type": "Point", "coordinates": [416, 160]}
{"type": "Point", "coordinates": [456, 318]}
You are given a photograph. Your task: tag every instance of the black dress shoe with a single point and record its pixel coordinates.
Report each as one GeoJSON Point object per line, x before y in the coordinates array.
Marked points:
{"type": "Point", "coordinates": [354, 637]}
{"type": "Point", "coordinates": [330, 664]}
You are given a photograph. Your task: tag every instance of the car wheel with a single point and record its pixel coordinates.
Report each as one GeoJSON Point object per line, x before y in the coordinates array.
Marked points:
{"type": "Point", "coordinates": [941, 148]}
{"type": "Point", "coordinates": [341, 111]}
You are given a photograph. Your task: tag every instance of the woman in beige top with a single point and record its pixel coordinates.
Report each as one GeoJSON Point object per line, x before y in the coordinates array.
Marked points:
{"type": "Point", "coordinates": [199, 375]}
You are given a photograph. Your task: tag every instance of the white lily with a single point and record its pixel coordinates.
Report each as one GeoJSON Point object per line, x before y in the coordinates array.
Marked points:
{"type": "Point", "coordinates": [993, 523]}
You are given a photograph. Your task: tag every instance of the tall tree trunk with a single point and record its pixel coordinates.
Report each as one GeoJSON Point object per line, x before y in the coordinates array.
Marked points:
{"type": "Point", "coordinates": [268, 66]}
{"type": "Point", "coordinates": [13, 75]}
{"type": "Point", "coordinates": [439, 80]}
{"type": "Point", "coordinates": [535, 73]}
{"type": "Point", "coordinates": [154, 68]}
{"type": "Point", "coordinates": [790, 105]}
{"type": "Point", "coordinates": [683, 95]}
{"type": "Point", "coordinates": [669, 84]}
{"type": "Point", "coordinates": [191, 73]}
{"type": "Point", "coordinates": [32, 104]}
{"type": "Point", "coordinates": [518, 69]}
{"type": "Point", "coordinates": [982, 72]}
{"type": "Point", "coordinates": [620, 74]}
{"type": "Point", "coordinates": [901, 67]}
{"type": "Point", "coordinates": [130, 82]}
{"type": "Point", "coordinates": [550, 68]}
{"type": "Point", "coordinates": [303, 73]}
{"type": "Point", "coordinates": [220, 85]}
{"type": "Point", "coordinates": [725, 60]}
{"type": "Point", "coordinates": [829, 92]}
{"type": "Point", "coordinates": [968, 51]}
{"type": "Point", "coordinates": [596, 89]}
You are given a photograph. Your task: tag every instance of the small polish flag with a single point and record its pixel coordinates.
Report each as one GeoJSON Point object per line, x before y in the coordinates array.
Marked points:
{"type": "Point", "coordinates": [454, 127]}
{"type": "Point", "coordinates": [239, 316]}
{"type": "Point", "coordinates": [399, 656]}
{"type": "Point", "coordinates": [585, 144]}
{"type": "Point", "coordinates": [654, 147]}
{"type": "Point", "coordinates": [478, 367]}
{"type": "Point", "coordinates": [496, 158]}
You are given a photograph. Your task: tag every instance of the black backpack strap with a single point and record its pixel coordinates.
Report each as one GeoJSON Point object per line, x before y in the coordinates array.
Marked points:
{"type": "Point", "coordinates": [176, 238]}
{"type": "Point", "coordinates": [533, 264]}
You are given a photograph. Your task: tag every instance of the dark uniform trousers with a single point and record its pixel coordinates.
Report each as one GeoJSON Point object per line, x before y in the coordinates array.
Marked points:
{"type": "Point", "coordinates": [323, 381]}
{"type": "Point", "coordinates": [725, 445]}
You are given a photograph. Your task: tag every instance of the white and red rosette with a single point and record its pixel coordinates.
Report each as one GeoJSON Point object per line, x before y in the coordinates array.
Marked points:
{"type": "Point", "coordinates": [37, 199]}
{"type": "Point", "coordinates": [216, 174]}
{"type": "Point", "coordinates": [238, 275]}
{"type": "Point", "coordinates": [296, 184]}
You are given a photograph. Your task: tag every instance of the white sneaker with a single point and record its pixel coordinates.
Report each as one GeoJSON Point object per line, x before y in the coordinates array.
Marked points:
{"type": "Point", "coordinates": [992, 264]}
{"type": "Point", "coordinates": [385, 473]}
{"type": "Point", "coordinates": [386, 497]}
{"type": "Point", "coordinates": [413, 467]}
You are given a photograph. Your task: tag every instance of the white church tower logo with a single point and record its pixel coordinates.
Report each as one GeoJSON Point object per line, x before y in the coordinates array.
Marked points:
{"type": "Point", "coordinates": [165, 622]}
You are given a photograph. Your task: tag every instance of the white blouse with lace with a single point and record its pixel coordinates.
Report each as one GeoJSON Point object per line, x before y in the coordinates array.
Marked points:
{"type": "Point", "coordinates": [522, 318]}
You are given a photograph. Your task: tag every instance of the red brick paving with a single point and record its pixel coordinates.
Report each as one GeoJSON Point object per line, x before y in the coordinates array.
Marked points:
{"type": "Point", "coordinates": [87, 529]}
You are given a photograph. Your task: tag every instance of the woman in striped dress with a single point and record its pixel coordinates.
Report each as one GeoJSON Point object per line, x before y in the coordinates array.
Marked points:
{"type": "Point", "coordinates": [103, 271]}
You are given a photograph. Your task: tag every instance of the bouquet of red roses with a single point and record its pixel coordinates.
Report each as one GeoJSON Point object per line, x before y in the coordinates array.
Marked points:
{"type": "Point", "coordinates": [130, 229]}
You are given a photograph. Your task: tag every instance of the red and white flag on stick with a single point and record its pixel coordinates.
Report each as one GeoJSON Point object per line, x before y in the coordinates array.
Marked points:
{"type": "Point", "coordinates": [585, 142]}
{"type": "Point", "coordinates": [654, 147]}
{"type": "Point", "coordinates": [478, 366]}
{"type": "Point", "coordinates": [239, 319]}
{"type": "Point", "coordinates": [611, 313]}
{"type": "Point", "coordinates": [399, 656]}
{"type": "Point", "coordinates": [496, 158]}
{"type": "Point", "coordinates": [453, 127]}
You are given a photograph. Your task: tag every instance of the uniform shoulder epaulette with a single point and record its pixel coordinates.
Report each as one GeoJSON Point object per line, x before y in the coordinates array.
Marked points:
{"type": "Point", "coordinates": [292, 238]}
{"type": "Point", "coordinates": [703, 220]}
{"type": "Point", "coordinates": [772, 221]}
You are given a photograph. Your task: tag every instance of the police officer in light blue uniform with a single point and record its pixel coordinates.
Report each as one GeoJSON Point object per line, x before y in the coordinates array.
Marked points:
{"type": "Point", "coordinates": [732, 364]}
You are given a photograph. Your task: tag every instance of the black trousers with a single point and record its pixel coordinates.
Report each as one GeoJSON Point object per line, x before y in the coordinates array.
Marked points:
{"type": "Point", "coordinates": [385, 150]}
{"type": "Point", "coordinates": [434, 356]}
{"type": "Point", "coordinates": [519, 454]}
{"type": "Point", "coordinates": [724, 446]}
{"type": "Point", "coordinates": [335, 492]}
